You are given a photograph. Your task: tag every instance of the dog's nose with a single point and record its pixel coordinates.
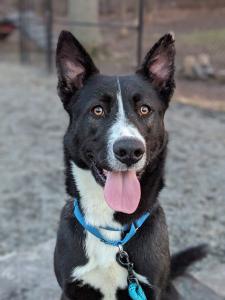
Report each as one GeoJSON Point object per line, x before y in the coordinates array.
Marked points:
{"type": "Point", "coordinates": [128, 151]}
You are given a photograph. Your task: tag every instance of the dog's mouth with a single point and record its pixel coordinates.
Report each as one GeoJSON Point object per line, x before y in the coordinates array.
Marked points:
{"type": "Point", "coordinates": [122, 190]}
{"type": "Point", "coordinates": [99, 174]}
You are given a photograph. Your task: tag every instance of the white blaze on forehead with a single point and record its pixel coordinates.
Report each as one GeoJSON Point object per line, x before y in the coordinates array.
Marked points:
{"type": "Point", "coordinates": [120, 100]}
{"type": "Point", "coordinates": [122, 125]}
{"type": "Point", "coordinates": [120, 129]}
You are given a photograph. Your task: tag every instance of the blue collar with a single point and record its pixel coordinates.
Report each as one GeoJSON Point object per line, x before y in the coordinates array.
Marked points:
{"type": "Point", "coordinates": [128, 231]}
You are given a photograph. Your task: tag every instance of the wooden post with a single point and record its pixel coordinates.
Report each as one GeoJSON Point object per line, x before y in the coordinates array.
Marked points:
{"type": "Point", "coordinates": [86, 11]}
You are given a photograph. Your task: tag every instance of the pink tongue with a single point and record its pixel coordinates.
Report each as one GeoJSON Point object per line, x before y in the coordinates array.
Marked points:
{"type": "Point", "coordinates": [122, 191]}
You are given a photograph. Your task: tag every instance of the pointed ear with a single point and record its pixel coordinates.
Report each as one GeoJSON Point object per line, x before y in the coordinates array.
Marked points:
{"type": "Point", "coordinates": [74, 66]}
{"type": "Point", "coordinates": [158, 66]}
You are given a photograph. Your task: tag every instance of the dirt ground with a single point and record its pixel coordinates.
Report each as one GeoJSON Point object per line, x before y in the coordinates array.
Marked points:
{"type": "Point", "coordinates": [31, 186]}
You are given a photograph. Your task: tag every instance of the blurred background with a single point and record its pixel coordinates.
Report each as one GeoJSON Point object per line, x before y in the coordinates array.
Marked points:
{"type": "Point", "coordinates": [117, 34]}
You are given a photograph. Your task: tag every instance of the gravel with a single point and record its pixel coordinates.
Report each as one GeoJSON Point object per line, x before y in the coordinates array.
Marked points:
{"type": "Point", "coordinates": [31, 185]}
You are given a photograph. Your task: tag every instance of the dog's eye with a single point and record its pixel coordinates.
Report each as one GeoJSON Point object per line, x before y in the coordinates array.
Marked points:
{"type": "Point", "coordinates": [98, 111]}
{"type": "Point", "coordinates": [144, 110]}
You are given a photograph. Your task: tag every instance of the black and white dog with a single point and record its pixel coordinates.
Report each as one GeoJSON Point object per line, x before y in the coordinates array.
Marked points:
{"type": "Point", "coordinates": [115, 149]}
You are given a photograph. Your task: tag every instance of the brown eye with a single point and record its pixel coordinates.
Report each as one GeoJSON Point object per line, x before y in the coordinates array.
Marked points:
{"type": "Point", "coordinates": [144, 110]}
{"type": "Point", "coordinates": [98, 111]}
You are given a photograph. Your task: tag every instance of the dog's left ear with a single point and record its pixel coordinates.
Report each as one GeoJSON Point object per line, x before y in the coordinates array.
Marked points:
{"type": "Point", "coordinates": [74, 66]}
{"type": "Point", "coordinates": [158, 66]}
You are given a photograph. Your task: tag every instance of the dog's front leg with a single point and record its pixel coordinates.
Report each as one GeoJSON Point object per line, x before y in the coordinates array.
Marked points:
{"type": "Point", "coordinates": [79, 291]}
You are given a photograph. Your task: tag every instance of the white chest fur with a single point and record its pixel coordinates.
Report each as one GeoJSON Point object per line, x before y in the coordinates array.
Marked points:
{"type": "Point", "coordinates": [102, 271]}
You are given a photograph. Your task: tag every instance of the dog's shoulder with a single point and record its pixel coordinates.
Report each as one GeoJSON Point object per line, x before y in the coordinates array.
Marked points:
{"type": "Point", "coordinates": [67, 220]}
{"type": "Point", "coordinates": [70, 239]}
{"type": "Point", "coordinates": [67, 210]}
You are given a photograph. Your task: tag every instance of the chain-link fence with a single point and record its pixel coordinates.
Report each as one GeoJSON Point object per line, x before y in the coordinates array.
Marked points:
{"type": "Point", "coordinates": [113, 32]}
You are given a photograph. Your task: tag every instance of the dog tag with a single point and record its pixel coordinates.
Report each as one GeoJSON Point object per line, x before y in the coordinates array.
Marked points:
{"type": "Point", "coordinates": [134, 288]}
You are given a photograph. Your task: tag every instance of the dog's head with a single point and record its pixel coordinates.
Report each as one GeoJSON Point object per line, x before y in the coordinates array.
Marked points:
{"type": "Point", "coordinates": [116, 124]}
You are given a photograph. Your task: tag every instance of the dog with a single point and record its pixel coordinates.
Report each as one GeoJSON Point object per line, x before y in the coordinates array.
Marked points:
{"type": "Point", "coordinates": [115, 151]}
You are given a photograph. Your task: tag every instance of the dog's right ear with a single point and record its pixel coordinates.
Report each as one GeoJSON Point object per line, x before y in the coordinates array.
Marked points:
{"type": "Point", "coordinates": [74, 66]}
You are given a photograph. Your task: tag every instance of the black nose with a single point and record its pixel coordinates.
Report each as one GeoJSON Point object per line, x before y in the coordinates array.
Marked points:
{"type": "Point", "coordinates": [129, 150]}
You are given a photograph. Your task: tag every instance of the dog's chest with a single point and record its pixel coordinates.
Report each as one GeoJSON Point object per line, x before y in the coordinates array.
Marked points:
{"type": "Point", "coordinates": [102, 271]}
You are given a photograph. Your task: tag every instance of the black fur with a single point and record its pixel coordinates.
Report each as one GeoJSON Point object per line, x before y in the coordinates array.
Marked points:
{"type": "Point", "coordinates": [163, 49]}
{"type": "Point", "coordinates": [182, 260]}
{"type": "Point", "coordinates": [80, 88]}
{"type": "Point", "coordinates": [75, 54]}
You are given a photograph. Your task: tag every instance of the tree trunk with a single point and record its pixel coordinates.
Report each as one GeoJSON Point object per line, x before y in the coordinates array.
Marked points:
{"type": "Point", "coordinates": [85, 11]}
